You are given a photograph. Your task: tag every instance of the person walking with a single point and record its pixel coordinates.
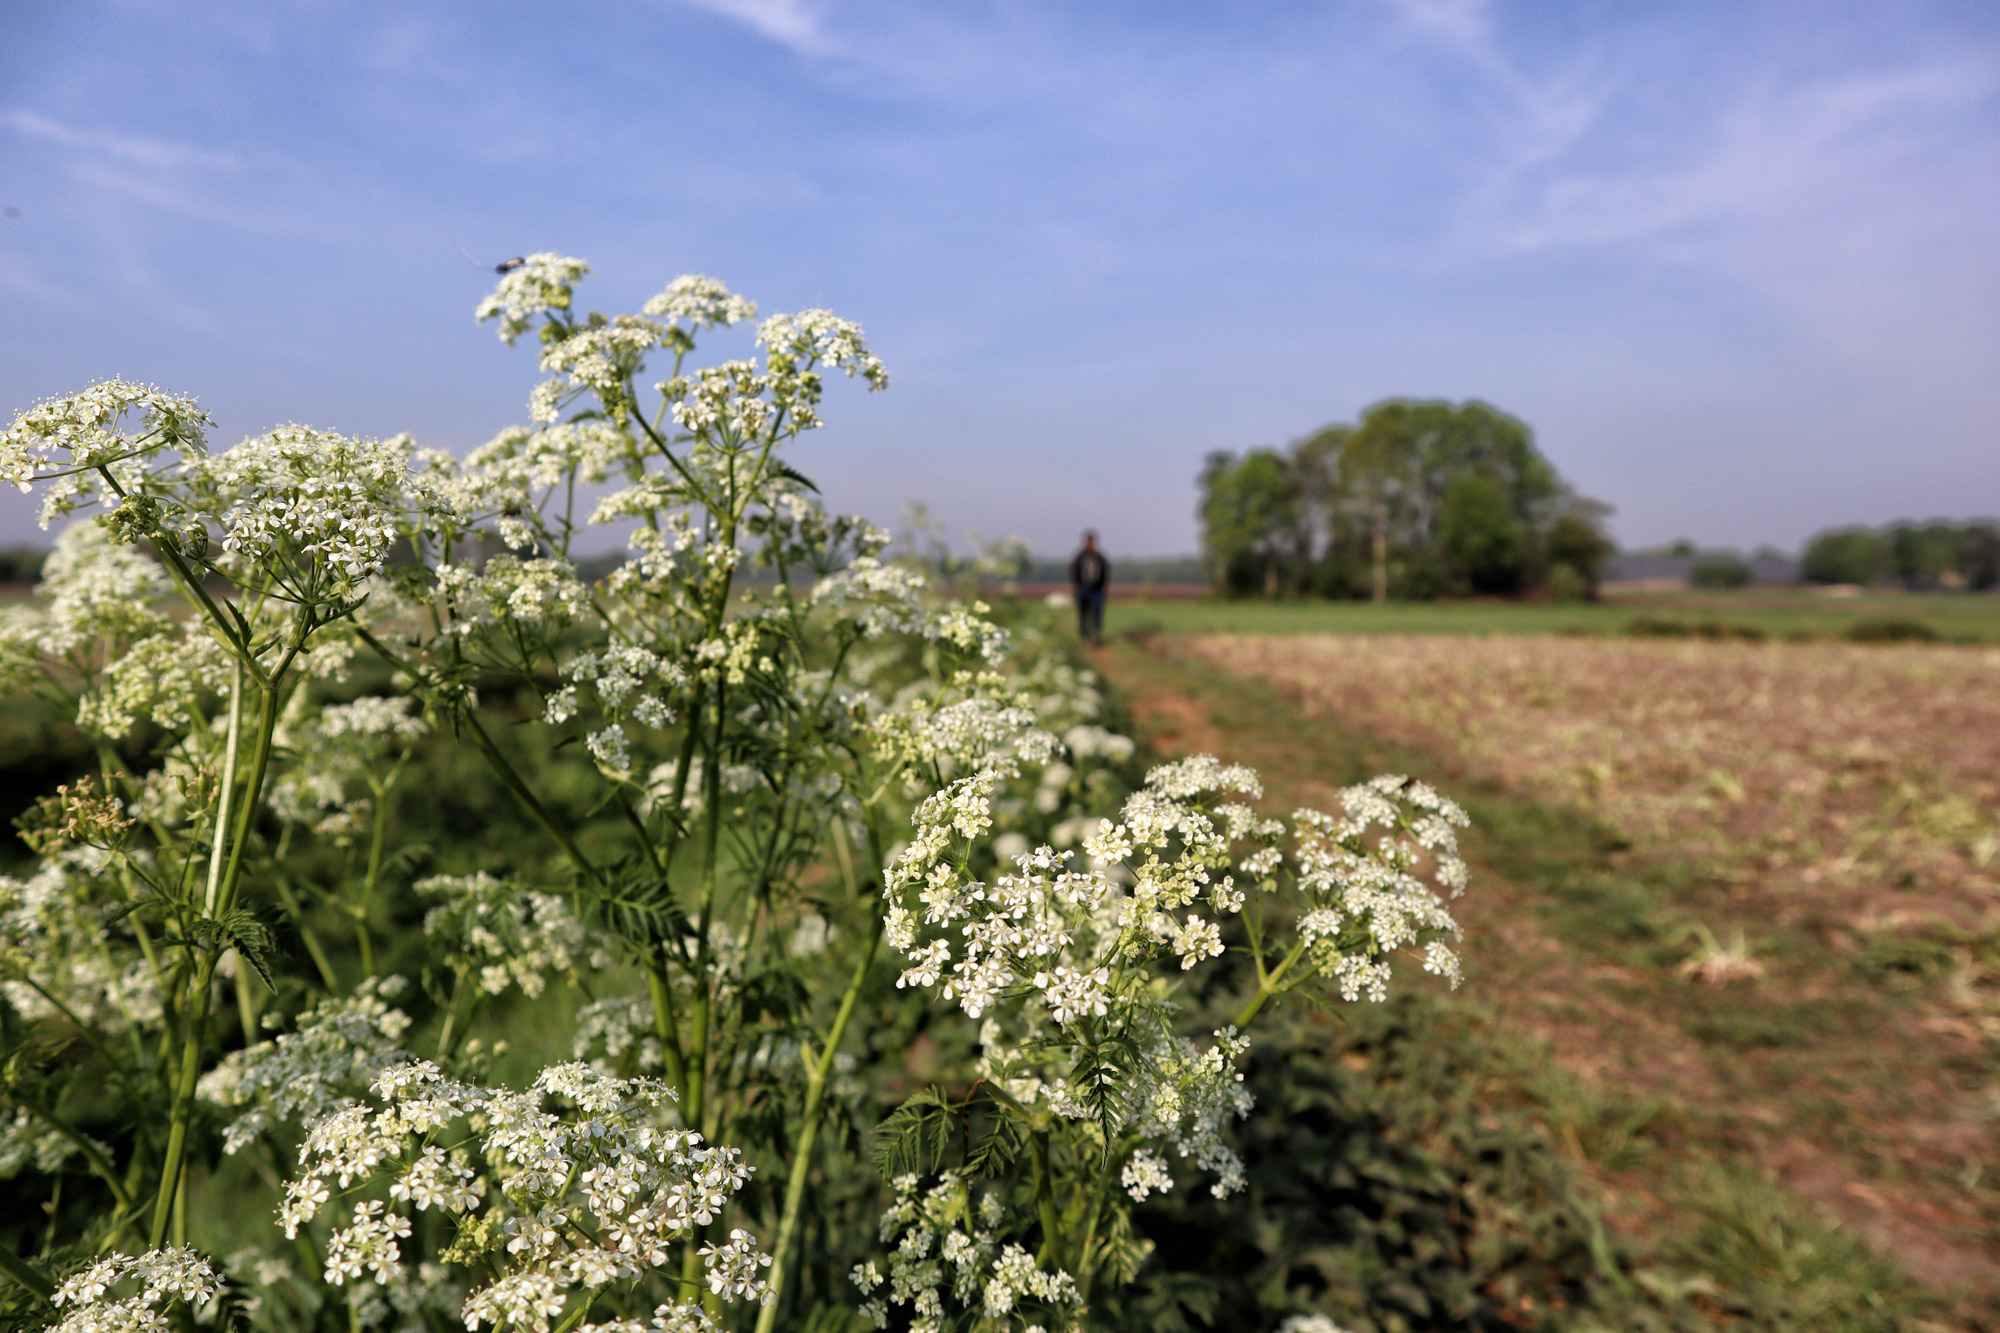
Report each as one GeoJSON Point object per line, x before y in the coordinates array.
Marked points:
{"type": "Point", "coordinates": [1089, 572]}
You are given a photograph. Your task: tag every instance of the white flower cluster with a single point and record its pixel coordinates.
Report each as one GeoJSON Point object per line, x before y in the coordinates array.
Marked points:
{"type": "Point", "coordinates": [55, 955]}
{"type": "Point", "coordinates": [594, 1193]}
{"type": "Point", "coordinates": [615, 1026]}
{"type": "Point", "coordinates": [334, 1051]}
{"type": "Point", "coordinates": [1053, 944]}
{"type": "Point", "coordinates": [505, 934]}
{"type": "Point", "coordinates": [700, 302]}
{"type": "Point", "coordinates": [600, 356]}
{"type": "Point", "coordinates": [1059, 930]}
{"type": "Point", "coordinates": [1358, 873]}
{"type": "Point", "coordinates": [26, 1140]}
{"type": "Point", "coordinates": [319, 507]}
{"type": "Point", "coordinates": [344, 744]}
{"type": "Point", "coordinates": [95, 589]}
{"type": "Point", "coordinates": [100, 617]}
{"type": "Point", "coordinates": [540, 282]}
{"type": "Point", "coordinates": [161, 679]}
{"type": "Point", "coordinates": [629, 682]}
{"type": "Point", "coordinates": [155, 1280]}
{"type": "Point", "coordinates": [511, 476]}
{"type": "Point", "coordinates": [948, 1253]}
{"type": "Point", "coordinates": [725, 403]}
{"type": "Point", "coordinates": [1189, 1095]}
{"type": "Point", "coordinates": [877, 598]}
{"type": "Point", "coordinates": [989, 728]}
{"type": "Point", "coordinates": [508, 590]}
{"type": "Point", "coordinates": [1146, 1174]}
{"type": "Point", "coordinates": [793, 344]}
{"type": "Point", "coordinates": [86, 431]}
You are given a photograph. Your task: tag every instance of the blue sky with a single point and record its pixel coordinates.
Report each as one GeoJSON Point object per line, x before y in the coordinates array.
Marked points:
{"type": "Point", "coordinates": [1738, 264]}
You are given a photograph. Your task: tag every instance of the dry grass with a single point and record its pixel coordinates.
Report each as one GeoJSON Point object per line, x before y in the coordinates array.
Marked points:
{"type": "Point", "coordinates": [1856, 786]}
{"type": "Point", "coordinates": [1831, 998]}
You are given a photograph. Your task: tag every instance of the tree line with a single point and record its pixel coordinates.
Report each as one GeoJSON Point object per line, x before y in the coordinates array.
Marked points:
{"type": "Point", "coordinates": [1938, 554]}
{"type": "Point", "coordinates": [1417, 499]}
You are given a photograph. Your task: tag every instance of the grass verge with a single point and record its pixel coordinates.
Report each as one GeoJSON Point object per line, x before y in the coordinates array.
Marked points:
{"type": "Point", "coordinates": [1712, 1129]}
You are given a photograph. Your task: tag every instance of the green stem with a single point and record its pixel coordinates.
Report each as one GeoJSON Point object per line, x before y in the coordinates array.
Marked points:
{"type": "Point", "coordinates": [374, 874]}
{"type": "Point", "coordinates": [201, 993]}
{"type": "Point", "coordinates": [697, 1070]}
{"type": "Point", "coordinates": [306, 933]}
{"type": "Point", "coordinates": [639, 827]}
{"type": "Point", "coordinates": [666, 1022]}
{"type": "Point", "coordinates": [450, 1017]}
{"type": "Point", "coordinates": [190, 1073]}
{"type": "Point", "coordinates": [1269, 986]}
{"type": "Point", "coordinates": [230, 746]}
{"type": "Point", "coordinates": [808, 1132]}
{"type": "Point", "coordinates": [1045, 1200]}
{"type": "Point", "coordinates": [25, 1273]}
{"type": "Point", "coordinates": [511, 779]}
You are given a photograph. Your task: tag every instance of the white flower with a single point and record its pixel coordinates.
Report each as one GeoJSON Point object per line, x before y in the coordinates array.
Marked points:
{"type": "Point", "coordinates": [1072, 994]}
{"type": "Point", "coordinates": [733, 1267]}
{"type": "Point", "coordinates": [527, 1300]}
{"type": "Point", "coordinates": [161, 1278]}
{"type": "Point", "coordinates": [1145, 1174]}
{"type": "Point", "coordinates": [1196, 940]}
{"type": "Point", "coordinates": [701, 302]}
{"type": "Point", "coordinates": [540, 282]}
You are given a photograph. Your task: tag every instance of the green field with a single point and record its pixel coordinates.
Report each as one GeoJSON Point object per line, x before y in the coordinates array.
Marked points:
{"type": "Point", "coordinates": [1951, 617]}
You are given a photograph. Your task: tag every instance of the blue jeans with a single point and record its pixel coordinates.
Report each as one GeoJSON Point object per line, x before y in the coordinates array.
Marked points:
{"type": "Point", "coordinates": [1090, 614]}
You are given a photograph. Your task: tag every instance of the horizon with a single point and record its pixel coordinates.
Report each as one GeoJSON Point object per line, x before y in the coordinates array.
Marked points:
{"type": "Point", "coordinates": [1737, 270]}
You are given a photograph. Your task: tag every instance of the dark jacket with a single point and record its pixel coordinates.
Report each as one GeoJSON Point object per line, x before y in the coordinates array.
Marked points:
{"type": "Point", "coordinates": [1090, 571]}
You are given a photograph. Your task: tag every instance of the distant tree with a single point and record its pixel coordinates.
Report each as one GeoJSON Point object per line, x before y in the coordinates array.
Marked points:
{"type": "Point", "coordinates": [1251, 521]}
{"type": "Point", "coordinates": [1979, 556]}
{"type": "Point", "coordinates": [1369, 509]}
{"type": "Point", "coordinates": [1723, 570]}
{"type": "Point", "coordinates": [1577, 550]}
{"type": "Point", "coordinates": [1379, 472]}
{"type": "Point", "coordinates": [21, 564]}
{"type": "Point", "coordinates": [1482, 540]}
{"type": "Point", "coordinates": [1845, 555]}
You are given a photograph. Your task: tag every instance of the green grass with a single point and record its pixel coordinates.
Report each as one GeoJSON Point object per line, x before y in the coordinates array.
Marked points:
{"type": "Point", "coordinates": [1705, 1236]}
{"type": "Point", "coordinates": [1778, 614]}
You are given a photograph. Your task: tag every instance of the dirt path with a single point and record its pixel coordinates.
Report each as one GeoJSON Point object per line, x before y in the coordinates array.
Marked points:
{"type": "Point", "coordinates": [1875, 1107]}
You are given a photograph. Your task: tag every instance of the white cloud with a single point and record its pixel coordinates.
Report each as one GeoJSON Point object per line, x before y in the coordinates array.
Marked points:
{"type": "Point", "coordinates": [1771, 155]}
{"type": "Point", "coordinates": [790, 23]}
{"type": "Point", "coordinates": [135, 150]}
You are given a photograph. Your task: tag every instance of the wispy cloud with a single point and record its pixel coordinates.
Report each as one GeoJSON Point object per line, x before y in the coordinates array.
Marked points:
{"type": "Point", "coordinates": [792, 23]}
{"type": "Point", "coordinates": [136, 150]}
{"type": "Point", "coordinates": [1775, 153]}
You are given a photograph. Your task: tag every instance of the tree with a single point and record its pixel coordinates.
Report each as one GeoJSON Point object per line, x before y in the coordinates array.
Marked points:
{"type": "Point", "coordinates": [1250, 518]}
{"type": "Point", "coordinates": [1577, 550]}
{"type": "Point", "coordinates": [1402, 460]}
{"type": "Point", "coordinates": [1844, 555]}
{"type": "Point", "coordinates": [1480, 537]}
{"type": "Point", "coordinates": [1367, 508]}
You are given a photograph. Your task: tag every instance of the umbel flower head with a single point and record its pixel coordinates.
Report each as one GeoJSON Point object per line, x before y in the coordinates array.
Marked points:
{"type": "Point", "coordinates": [151, 1284]}
{"type": "Point", "coordinates": [591, 1191]}
{"type": "Point", "coordinates": [67, 444]}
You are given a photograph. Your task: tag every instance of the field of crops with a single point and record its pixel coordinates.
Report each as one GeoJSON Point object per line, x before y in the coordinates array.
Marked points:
{"type": "Point", "coordinates": [1738, 915]}
{"type": "Point", "coordinates": [1756, 613]}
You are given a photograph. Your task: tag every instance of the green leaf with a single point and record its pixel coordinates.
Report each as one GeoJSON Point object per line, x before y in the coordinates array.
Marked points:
{"type": "Point", "coordinates": [900, 1142]}
{"type": "Point", "coordinates": [783, 469]}
{"type": "Point", "coordinates": [637, 906]}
